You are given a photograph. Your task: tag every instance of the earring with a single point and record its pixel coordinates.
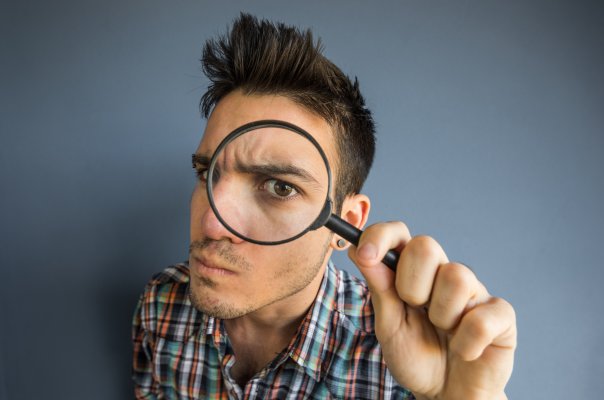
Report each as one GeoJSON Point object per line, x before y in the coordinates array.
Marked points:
{"type": "Point", "coordinates": [341, 243]}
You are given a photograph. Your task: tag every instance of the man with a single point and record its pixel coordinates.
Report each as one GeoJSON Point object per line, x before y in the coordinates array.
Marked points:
{"type": "Point", "coordinates": [242, 320]}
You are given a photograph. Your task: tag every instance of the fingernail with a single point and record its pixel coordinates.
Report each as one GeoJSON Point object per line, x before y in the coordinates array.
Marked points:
{"type": "Point", "coordinates": [367, 251]}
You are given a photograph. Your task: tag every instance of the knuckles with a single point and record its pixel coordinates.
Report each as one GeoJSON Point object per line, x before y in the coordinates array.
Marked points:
{"type": "Point", "coordinates": [417, 268]}
{"type": "Point", "coordinates": [398, 226]}
{"type": "Point", "coordinates": [506, 310]}
{"type": "Point", "coordinates": [411, 297]}
{"type": "Point", "coordinates": [457, 276]}
{"type": "Point", "coordinates": [384, 228]}
{"type": "Point", "coordinates": [481, 329]}
{"type": "Point", "coordinates": [453, 290]}
{"type": "Point", "coordinates": [422, 247]}
{"type": "Point", "coordinates": [486, 325]}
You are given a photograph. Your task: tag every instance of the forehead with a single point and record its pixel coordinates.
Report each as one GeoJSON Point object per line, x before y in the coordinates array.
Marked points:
{"type": "Point", "coordinates": [237, 109]}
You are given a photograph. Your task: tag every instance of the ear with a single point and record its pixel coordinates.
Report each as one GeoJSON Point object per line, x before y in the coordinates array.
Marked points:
{"type": "Point", "coordinates": [355, 211]}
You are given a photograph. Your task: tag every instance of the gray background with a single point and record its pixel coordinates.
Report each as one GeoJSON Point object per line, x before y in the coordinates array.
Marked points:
{"type": "Point", "coordinates": [490, 118]}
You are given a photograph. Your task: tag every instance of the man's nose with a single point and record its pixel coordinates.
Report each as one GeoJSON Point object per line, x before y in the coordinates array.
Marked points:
{"type": "Point", "coordinates": [229, 209]}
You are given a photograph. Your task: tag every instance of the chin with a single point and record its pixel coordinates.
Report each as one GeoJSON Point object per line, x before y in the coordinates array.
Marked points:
{"type": "Point", "coordinates": [215, 308]}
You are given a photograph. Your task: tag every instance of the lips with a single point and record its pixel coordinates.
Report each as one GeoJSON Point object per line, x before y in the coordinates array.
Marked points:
{"type": "Point", "coordinates": [205, 266]}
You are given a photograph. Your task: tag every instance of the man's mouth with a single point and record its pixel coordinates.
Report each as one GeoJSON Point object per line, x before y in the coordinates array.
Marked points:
{"type": "Point", "coordinates": [204, 266]}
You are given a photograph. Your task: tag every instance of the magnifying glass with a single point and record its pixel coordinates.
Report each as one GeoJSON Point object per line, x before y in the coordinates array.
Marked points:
{"type": "Point", "coordinates": [269, 182]}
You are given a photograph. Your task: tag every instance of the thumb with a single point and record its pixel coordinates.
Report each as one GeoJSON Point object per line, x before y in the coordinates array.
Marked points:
{"type": "Point", "coordinates": [388, 307]}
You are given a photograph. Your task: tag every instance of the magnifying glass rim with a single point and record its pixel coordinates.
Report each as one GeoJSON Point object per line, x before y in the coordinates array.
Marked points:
{"type": "Point", "coordinates": [269, 123]}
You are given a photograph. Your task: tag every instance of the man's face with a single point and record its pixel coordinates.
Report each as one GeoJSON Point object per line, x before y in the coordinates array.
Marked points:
{"type": "Point", "coordinates": [231, 277]}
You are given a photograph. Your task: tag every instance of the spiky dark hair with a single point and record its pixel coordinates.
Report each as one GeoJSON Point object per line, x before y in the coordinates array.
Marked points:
{"type": "Point", "coordinates": [262, 57]}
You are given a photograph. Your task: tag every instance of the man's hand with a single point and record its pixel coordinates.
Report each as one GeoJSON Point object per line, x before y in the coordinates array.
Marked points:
{"type": "Point", "coordinates": [442, 335]}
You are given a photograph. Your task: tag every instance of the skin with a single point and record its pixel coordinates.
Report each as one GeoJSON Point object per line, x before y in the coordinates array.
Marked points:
{"type": "Point", "coordinates": [262, 292]}
{"type": "Point", "coordinates": [442, 334]}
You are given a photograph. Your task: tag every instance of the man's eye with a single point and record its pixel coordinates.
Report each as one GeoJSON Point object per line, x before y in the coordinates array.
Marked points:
{"type": "Point", "coordinates": [280, 188]}
{"type": "Point", "coordinates": [202, 174]}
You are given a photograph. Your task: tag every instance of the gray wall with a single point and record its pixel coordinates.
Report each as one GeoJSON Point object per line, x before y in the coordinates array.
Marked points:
{"type": "Point", "coordinates": [491, 139]}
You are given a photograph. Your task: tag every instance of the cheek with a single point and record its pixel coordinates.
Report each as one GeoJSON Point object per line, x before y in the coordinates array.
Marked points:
{"type": "Point", "coordinates": [198, 205]}
{"type": "Point", "coordinates": [306, 253]}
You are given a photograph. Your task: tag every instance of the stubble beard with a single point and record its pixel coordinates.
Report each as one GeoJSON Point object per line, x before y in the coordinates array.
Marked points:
{"type": "Point", "coordinates": [228, 310]}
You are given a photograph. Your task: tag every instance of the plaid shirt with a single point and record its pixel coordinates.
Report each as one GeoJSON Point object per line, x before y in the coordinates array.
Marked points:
{"type": "Point", "coordinates": [181, 353]}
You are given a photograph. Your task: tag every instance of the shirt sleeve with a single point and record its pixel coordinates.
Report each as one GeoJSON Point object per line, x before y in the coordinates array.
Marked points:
{"type": "Point", "coordinates": [145, 386]}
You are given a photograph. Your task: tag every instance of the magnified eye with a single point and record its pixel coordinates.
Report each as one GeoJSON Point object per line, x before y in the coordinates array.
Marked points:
{"type": "Point", "coordinates": [280, 188]}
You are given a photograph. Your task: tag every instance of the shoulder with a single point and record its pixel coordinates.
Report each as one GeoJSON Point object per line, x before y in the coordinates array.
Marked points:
{"type": "Point", "coordinates": [174, 274]}
{"type": "Point", "coordinates": [168, 287]}
{"type": "Point", "coordinates": [164, 308]}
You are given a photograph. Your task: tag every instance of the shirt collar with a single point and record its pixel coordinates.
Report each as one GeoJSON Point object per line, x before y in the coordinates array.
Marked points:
{"type": "Point", "coordinates": [315, 330]}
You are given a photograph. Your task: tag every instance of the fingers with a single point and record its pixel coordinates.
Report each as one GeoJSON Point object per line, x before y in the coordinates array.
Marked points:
{"type": "Point", "coordinates": [424, 278]}
{"type": "Point", "coordinates": [424, 275]}
{"type": "Point", "coordinates": [456, 289]}
{"type": "Point", "coordinates": [373, 245]}
{"type": "Point", "coordinates": [440, 310]}
{"type": "Point", "coordinates": [378, 239]}
{"type": "Point", "coordinates": [416, 270]}
{"type": "Point", "coordinates": [490, 323]}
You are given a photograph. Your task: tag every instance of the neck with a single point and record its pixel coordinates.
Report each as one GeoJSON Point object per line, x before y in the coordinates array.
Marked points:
{"type": "Point", "coordinates": [259, 336]}
{"type": "Point", "coordinates": [279, 318]}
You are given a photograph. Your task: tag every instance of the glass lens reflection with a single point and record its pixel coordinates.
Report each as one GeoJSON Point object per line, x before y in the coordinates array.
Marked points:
{"type": "Point", "coordinates": [269, 184]}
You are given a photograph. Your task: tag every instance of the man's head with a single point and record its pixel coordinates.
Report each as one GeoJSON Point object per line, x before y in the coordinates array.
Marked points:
{"type": "Point", "coordinates": [259, 57]}
{"type": "Point", "coordinates": [265, 71]}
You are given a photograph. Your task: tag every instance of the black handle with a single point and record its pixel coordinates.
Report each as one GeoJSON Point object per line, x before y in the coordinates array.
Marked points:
{"type": "Point", "coordinates": [353, 234]}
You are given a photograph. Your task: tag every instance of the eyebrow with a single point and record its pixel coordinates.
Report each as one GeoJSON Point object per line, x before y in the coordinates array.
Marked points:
{"type": "Point", "coordinates": [200, 159]}
{"type": "Point", "coordinates": [264, 169]}
{"type": "Point", "coordinates": [276, 169]}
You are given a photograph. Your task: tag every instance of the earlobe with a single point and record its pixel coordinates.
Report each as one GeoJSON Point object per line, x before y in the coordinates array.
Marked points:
{"type": "Point", "coordinates": [340, 244]}
{"type": "Point", "coordinates": [337, 243]}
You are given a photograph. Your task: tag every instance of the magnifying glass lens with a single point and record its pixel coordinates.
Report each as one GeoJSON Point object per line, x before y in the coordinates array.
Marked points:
{"type": "Point", "coordinates": [268, 185]}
